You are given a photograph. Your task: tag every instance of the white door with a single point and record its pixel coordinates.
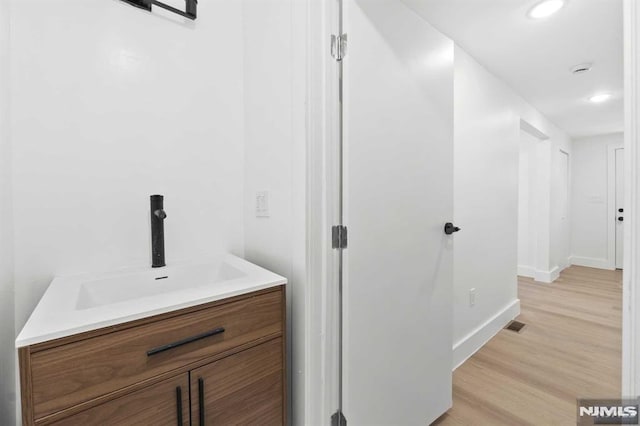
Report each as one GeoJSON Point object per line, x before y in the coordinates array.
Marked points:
{"type": "Point", "coordinates": [619, 207]}
{"type": "Point", "coordinates": [398, 197]}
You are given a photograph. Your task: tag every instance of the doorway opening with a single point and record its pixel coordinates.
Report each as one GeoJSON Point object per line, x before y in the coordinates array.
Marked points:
{"type": "Point", "coordinates": [494, 213]}
{"type": "Point", "coordinates": [530, 201]}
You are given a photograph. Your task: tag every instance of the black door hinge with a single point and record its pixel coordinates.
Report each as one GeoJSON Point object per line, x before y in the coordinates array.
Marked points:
{"type": "Point", "coordinates": [339, 237]}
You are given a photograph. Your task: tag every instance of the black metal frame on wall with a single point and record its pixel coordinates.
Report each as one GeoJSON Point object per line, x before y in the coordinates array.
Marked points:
{"type": "Point", "coordinates": [191, 7]}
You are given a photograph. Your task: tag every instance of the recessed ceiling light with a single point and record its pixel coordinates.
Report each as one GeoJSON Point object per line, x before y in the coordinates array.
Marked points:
{"type": "Point", "coordinates": [546, 8]}
{"type": "Point", "coordinates": [600, 97]}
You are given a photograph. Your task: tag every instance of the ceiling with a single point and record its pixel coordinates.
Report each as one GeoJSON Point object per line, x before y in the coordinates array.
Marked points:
{"type": "Point", "coordinates": [534, 57]}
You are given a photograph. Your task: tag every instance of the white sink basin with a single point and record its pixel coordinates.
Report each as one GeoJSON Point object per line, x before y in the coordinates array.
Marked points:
{"type": "Point", "coordinates": [81, 303]}
{"type": "Point", "coordinates": [136, 285]}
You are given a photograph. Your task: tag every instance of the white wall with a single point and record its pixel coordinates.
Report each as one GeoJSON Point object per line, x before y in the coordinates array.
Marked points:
{"type": "Point", "coordinates": [7, 388]}
{"type": "Point", "coordinates": [269, 141]}
{"type": "Point", "coordinates": [274, 107]}
{"type": "Point", "coordinates": [486, 154]}
{"type": "Point", "coordinates": [109, 105]}
{"type": "Point", "coordinates": [487, 130]}
{"type": "Point", "coordinates": [590, 242]}
{"type": "Point", "coordinates": [560, 208]}
{"type": "Point", "coordinates": [206, 113]}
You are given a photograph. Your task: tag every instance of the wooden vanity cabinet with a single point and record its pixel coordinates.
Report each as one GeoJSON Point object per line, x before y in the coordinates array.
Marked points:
{"type": "Point", "coordinates": [163, 404]}
{"type": "Point", "coordinates": [243, 389]}
{"type": "Point", "coordinates": [218, 363]}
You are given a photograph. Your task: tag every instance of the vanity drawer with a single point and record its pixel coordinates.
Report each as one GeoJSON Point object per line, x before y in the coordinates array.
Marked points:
{"type": "Point", "coordinates": [67, 375]}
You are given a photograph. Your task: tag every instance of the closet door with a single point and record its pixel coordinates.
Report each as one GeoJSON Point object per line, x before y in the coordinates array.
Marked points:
{"type": "Point", "coordinates": [398, 121]}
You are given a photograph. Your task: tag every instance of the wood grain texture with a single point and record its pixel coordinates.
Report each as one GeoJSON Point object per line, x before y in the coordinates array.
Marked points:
{"type": "Point", "coordinates": [285, 377]}
{"type": "Point", "coordinates": [148, 320]}
{"type": "Point", "coordinates": [243, 389]}
{"type": "Point", "coordinates": [70, 374]}
{"type": "Point", "coordinates": [156, 405]}
{"type": "Point", "coordinates": [51, 419]}
{"type": "Point", "coordinates": [569, 349]}
{"type": "Point", "coordinates": [26, 393]}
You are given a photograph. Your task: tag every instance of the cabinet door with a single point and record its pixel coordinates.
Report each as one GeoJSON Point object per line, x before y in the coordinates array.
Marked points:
{"type": "Point", "coordinates": [243, 389]}
{"type": "Point", "coordinates": [164, 403]}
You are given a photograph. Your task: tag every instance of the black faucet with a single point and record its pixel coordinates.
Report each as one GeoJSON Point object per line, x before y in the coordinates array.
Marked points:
{"type": "Point", "coordinates": [158, 216]}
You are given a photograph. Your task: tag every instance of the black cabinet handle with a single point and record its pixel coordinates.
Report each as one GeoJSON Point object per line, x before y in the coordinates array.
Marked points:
{"type": "Point", "coordinates": [182, 342]}
{"type": "Point", "coordinates": [621, 210]}
{"type": "Point", "coordinates": [201, 400]}
{"type": "Point", "coordinates": [621, 219]}
{"type": "Point", "coordinates": [179, 404]}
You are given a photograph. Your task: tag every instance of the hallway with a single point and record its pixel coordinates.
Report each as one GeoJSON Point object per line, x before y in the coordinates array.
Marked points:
{"type": "Point", "coordinates": [569, 348]}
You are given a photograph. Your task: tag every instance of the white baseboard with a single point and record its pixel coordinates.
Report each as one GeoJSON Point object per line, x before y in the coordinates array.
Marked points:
{"type": "Point", "coordinates": [526, 271]}
{"type": "Point", "coordinates": [541, 276]}
{"type": "Point", "coordinates": [591, 262]}
{"type": "Point", "coordinates": [472, 342]}
{"type": "Point", "coordinates": [547, 276]}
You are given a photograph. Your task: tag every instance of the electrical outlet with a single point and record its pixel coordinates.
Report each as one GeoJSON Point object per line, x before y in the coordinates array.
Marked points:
{"type": "Point", "coordinates": [472, 297]}
{"type": "Point", "coordinates": [262, 204]}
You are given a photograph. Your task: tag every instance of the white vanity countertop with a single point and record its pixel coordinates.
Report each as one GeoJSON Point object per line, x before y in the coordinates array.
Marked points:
{"type": "Point", "coordinates": [81, 303]}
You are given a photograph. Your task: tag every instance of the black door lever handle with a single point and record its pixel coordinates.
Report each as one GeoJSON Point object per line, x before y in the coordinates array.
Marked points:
{"type": "Point", "coordinates": [449, 228]}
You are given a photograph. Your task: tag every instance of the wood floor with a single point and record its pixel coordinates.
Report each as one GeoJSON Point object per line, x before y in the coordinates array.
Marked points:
{"type": "Point", "coordinates": [569, 349]}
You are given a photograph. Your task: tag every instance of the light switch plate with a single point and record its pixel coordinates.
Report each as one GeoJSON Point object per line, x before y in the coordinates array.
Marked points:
{"type": "Point", "coordinates": [262, 204]}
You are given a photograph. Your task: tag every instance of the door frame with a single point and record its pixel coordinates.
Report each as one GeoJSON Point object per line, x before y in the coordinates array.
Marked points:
{"type": "Point", "coordinates": [630, 291]}
{"type": "Point", "coordinates": [611, 203]}
{"type": "Point", "coordinates": [535, 270]}
{"type": "Point", "coordinates": [566, 261]}
{"type": "Point", "coordinates": [322, 162]}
